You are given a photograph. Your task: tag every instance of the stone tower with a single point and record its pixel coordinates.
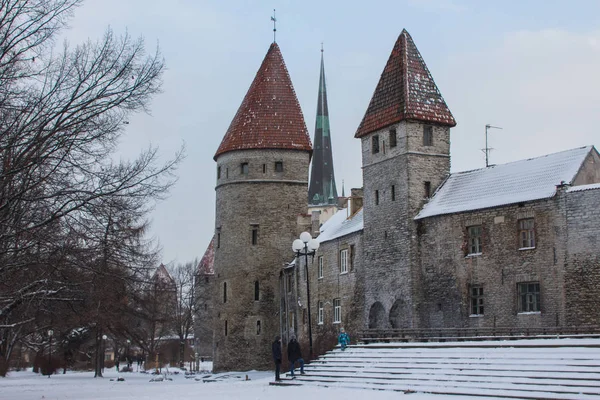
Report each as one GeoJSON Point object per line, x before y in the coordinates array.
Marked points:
{"type": "Point", "coordinates": [262, 186]}
{"type": "Point", "coordinates": [322, 189]}
{"type": "Point", "coordinates": [405, 136]}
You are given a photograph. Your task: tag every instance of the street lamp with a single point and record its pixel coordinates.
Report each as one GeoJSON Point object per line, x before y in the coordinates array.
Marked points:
{"type": "Point", "coordinates": [50, 333]}
{"type": "Point", "coordinates": [127, 354]}
{"type": "Point", "coordinates": [104, 337]}
{"type": "Point", "coordinates": [308, 246]}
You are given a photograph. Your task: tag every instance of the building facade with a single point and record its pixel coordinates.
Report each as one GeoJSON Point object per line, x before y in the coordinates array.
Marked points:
{"type": "Point", "coordinates": [512, 245]}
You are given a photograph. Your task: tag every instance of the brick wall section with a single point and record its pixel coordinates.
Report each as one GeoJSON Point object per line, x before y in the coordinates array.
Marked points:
{"type": "Point", "coordinates": [447, 273]}
{"type": "Point", "coordinates": [582, 278]}
{"type": "Point", "coordinates": [391, 285]}
{"type": "Point", "coordinates": [273, 201]}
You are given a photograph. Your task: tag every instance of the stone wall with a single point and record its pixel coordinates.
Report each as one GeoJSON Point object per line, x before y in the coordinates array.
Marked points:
{"type": "Point", "coordinates": [448, 271]}
{"type": "Point", "coordinates": [582, 278]}
{"type": "Point", "coordinates": [394, 191]}
{"type": "Point", "coordinates": [269, 202]}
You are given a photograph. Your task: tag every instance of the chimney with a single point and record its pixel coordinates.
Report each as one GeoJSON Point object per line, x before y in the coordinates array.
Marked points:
{"type": "Point", "coordinates": [315, 223]}
{"type": "Point", "coordinates": [356, 200]}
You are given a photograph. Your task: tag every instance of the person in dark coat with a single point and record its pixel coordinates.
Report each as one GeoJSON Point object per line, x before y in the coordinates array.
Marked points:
{"type": "Point", "coordinates": [276, 349]}
{"type": "Point", "coordinates": [295, 354]}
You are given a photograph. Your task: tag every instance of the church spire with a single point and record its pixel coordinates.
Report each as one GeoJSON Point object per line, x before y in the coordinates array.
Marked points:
{"type": "Point", "coordinates": [322, 188]}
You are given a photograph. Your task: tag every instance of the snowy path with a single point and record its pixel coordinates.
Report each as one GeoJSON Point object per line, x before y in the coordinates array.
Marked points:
{"type": "Point", "coordinates": [82, 386]}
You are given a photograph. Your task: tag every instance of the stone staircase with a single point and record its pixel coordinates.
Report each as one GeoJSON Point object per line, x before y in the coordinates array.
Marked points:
{"type": "Point", "coordinates": [522, 369]}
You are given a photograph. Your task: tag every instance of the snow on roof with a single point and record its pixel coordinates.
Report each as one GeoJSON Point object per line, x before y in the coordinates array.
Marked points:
{"type": "Point", "coordinates": [341, 225]}
{"type": "Point", "coordinates": [583, 187]}
{"type": "Point", "coordinates": [497, 185]}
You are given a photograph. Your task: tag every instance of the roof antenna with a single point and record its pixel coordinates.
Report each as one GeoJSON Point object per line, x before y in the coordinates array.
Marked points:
{"type": "Point", "coordinates": [488, 149]}
{"type": "Point", "coordinates": [274, 27]}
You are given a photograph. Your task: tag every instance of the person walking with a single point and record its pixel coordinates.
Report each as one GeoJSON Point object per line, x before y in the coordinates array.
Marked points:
{"type": "Point", "coordinates": [276, 349]}
{"type": "Point", "coordinates": [295, 354]}
{"type": "Point", "coordinates": [343, 339]}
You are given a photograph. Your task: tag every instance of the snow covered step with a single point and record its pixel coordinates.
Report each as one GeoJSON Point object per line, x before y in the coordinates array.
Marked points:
{"type": "Point", "coordinates": [456, 390]}
{"type": "Point", "coordinates": [523, 383]}
{"type": "Point", "coordinates": [554, 369]}
{"type": "Point", "coordinates": [516, 377]}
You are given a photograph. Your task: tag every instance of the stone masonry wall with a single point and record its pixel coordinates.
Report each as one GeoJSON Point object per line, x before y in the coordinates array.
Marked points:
{"type": "Point", "coordinates": [270, 202]}
{"type": "Point", "coordinates": [392, 283]}
{"type": "Point", "coordinates": [448, 272]}
{"type": "Point", "coordinates": [582, 278]}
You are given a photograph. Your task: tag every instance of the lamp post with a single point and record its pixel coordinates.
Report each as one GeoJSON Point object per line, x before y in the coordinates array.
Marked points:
{"type": "Point", "coordinates": [50, 333]}
{"type": "Point", "coordinates": [127, 354]}
{"type": "Point", "coordinates": [308, 246]}
{"type": "Point", "coordinates": [104, 337]}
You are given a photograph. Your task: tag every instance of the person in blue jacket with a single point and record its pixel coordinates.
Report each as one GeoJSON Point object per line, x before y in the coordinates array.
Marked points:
{"type": "Point", "coordinates": [343, 339]}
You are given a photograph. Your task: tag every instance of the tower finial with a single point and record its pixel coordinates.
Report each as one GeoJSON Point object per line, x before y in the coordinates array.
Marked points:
{"type": "Point", "coordinates": [321, 47]}
{"type": "Point", "coordinates": [274, 25]}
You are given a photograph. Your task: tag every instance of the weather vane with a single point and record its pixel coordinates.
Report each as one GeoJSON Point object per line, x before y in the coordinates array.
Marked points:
{"type": "Point", "coordinates": [274, 26]}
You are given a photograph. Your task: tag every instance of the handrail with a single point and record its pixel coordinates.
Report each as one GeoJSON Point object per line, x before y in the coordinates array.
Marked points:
{"type": "Point", "coordinates": [450, 334]}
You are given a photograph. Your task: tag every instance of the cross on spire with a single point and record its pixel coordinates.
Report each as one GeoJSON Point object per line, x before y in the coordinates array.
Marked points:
{"type": "Point", "coordinates": [274, 25]}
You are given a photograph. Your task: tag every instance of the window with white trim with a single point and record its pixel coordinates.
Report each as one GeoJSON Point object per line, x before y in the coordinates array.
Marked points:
{"type": "Point", "coordinates": [320, 318]}
{"type": "Point", "coordinates": [337, 311]}
{"type": "Point", "coordinates": [320, 267]}
{"type": "Point", "coordinates": [343, 261]}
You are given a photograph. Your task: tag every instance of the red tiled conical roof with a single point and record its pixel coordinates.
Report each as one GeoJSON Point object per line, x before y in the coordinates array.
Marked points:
{"type": "Point", "coordinates": [406, 91]}
{"type": "Point", "coordinates": [270, 116]}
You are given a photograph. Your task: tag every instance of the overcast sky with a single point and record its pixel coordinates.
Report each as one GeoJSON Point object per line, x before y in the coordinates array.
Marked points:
{"type": "Point", "coordinates": [530, 67]}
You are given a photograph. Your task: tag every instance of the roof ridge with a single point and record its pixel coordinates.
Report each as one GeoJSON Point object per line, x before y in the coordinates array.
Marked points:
{"type": "Point", "coordinates": [589, 147]}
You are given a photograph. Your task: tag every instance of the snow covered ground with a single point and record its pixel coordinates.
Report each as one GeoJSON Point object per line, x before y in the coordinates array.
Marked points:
{"type": "Point", "coordinates": [26, 385]}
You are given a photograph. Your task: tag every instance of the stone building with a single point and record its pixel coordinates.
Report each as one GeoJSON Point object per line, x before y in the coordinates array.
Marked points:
{"type": "Point", "coordinates": [512, 245]}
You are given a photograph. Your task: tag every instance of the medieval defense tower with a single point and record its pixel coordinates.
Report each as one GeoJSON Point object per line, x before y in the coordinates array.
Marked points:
{"type": "Point", "coordinates": [262, 187]}
{"type": "Point", "coordinates": [405, 137]}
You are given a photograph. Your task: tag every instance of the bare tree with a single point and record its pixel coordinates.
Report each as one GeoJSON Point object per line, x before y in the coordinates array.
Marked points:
{"type": "Point", "coordinates": [184, 276]}
{"type": "Point", "coordinates": [70, 216]}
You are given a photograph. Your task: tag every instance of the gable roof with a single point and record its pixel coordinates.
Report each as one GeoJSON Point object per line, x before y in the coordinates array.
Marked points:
{"type": "Point", "coordinates": [498, 185]}
{"type": "Point", "coordinates": [206, 266]}
{"type": "Point", "coordinates": [341, 225]}
{"type": "Point", "coordinates": [406, 91]}
{"type": "Point", "coordinates": [162, 276]}
{"type": "Point", "coordinates": [269, 116]}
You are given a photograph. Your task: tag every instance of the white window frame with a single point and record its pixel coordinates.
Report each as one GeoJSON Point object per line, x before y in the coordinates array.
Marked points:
{"type": "Point", "coordinates": [337, 311]}
{"type": "Point", "coordinates": [320, 267]}
{"type": "Point", "coordinates": [320, 314]}
{"type": "Point", "coordinates": [344, 261]}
